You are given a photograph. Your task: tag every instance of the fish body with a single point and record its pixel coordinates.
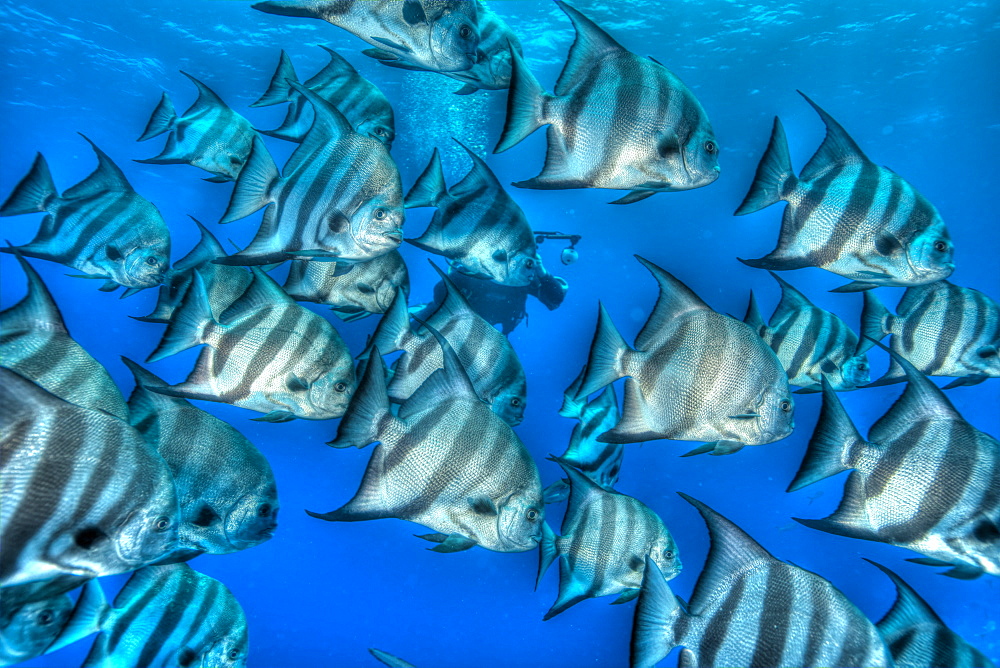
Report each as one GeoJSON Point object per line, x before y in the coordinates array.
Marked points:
{"type": "Point", "coordinates": [35, 343]}
{"type": "Point", "coordinates": [339, 196]}
{"type": "Point", "coordinates": [361, 102]}
{"type": "Point", "coordinates": [916, 636]}
{"type": "Point", "coordinates": [223, 283]}
{"type": "Point", "coordinates": [266, 353]}
{"type": "Point", "coordinates": [226, 489]}
{"type": "Point", "coordinates": [810, 343]}
{"type": "Point", "coordinates": [446, 462]}
{"type": "Point", "coordinates": [848, 215]}
{"type": "Point", "coordinates": [167, 616]}
{"type": "Point", "coordinates": [616, 120]}
{"type": "Point", "coordinates": [486, 355]}
{"type": "Point", "coordinates": [750, 609]}
{"type": "Point", "coordinates": [84, 495]}
{"type": "Point", "coordinates": [438, 35]}
{"type": "Point", "coordinates": [100, 226]}
{"type": "Point", "coordinates": [209, 135]}
{"type": "Point", "coordinates": [942, 329]}
{"type": "Point", "coordinates": [694, 374]}
{"type": "Point", "coordinates": [369, 287]}
{"type": "Point", "coordinates": [925, 479]}
{"type": "Point", "coordinates": [477, 226]}
{"type": "Point", "coordinates": [606, 538]}
{"type": "Point", "coordinates": [492, 70]}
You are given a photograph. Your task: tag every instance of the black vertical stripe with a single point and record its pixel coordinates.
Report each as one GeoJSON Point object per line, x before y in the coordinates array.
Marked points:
{"type": "Point", "coordinates": [776, 616]}
{"type": "Point", "coordinates": [717, 630]}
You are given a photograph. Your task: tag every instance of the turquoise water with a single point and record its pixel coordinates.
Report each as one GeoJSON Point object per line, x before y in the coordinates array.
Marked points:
{"type": "Point", "coordinates": [912, 83]}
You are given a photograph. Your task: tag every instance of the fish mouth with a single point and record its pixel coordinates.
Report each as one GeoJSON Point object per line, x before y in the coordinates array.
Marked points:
{"type": "Point", "coordinates": [395, 236]}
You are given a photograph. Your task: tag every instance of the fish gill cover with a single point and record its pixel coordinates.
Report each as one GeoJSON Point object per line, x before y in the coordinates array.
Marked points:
{"type": "Point", "coordinates": [904, 143]}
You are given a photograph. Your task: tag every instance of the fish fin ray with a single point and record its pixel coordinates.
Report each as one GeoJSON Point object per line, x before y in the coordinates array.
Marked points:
{"type": "Point", "coordinates": [775, 178]}
{"type": "Point", "coordinates": [590, 45]}
{"type": "Point", "coordinates": [838, 148]}
{"type": "Point", "coordinates": [33, 193]}
{"type": "Point", "coordinates": [162, 119]}
{"type": "Point", "coordinates": [834, 437]}
{"type": "Point", "coordinates": [278, 90]}
{"type": "Point", "coordinates": [674, 300]}
{"type": "Point", "coordinates": [526, 102]}
{"type": "Point", "coordinates": [253, 185]}
{"type": "Point", "coordinates": [656, 613]}
{"type": "Point", "coordinates": [606, 362]}
{"type": "Point", "coordinates": [429, 188]}
{"type": "Point", "coordinates": [188, 323]}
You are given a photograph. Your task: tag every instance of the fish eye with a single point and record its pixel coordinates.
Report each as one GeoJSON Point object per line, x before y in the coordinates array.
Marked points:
{"type": "Point", "coordinates": [379, 214]}
{"type": "Point", "coordinates": [515, 402]}
{"type": "Point", "coordinates": [532, 515]}
{"type": "Point", "coordinates": [46, 617]}
{"type": "Point", "coordinates": [234, 654]}
{"type": "Point", "coordinates": [529, 264]}
{"type": "Point", "coordinates": [785, 405]}
{"type": "Point", "coordinates": [162, 523]}
{"type": "Point", "coordinates": [668, 554]}
{"type": "Point", "coordinates": [465, 32]}
{"type": "Point", "coordinates": [152, 261]}
{"type": "Point", "coordinates": [381, 132]}
{"type": "Point", "coordinates": [711, 147]}
{"type": "Point", "coordinates": [940, 246]}
{"type": "Point", "coordinates": [264, 510]}
{"type": "Point", "coordinates": [340, 387]}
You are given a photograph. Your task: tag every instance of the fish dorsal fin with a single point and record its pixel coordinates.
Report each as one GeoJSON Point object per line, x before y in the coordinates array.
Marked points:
{"type": "Point", "coordinates": [328, 123]}
{"type": "Point", "coordinates": [37, 310]}
{"type": "Point", "coordinates": [262, 292]}
{"type": "Point", "coordinates": [792, 300]}
{"type": "Point", "coordinates": [277, 90]}
{"type": "Point", "coordinates": [337, 68]}
{"type": "Point", "coordinates": [480, 175]}
{"type": "Point", "coordinates": [207, 249]}
{"type": "Point", "coordinates": [143, 402]}
{"type": "Point", "coordinates": [909, 610]}
{"type": "Point", "coordinates": [207, 98]}
{"type": "Point", "coordinates": [837, 148]}
{"type": "Point", "coordinates": [732, 550]}
{"type": "Point", "coordinates": [454, 304]}
{"type": "Point", "coordinates": [107, 177]}
{"type": "Point", "coordinates": [921, 400]}
{"type": "Point", "coordinates": [449, 382]}
{"type": "Point", "coordinates": [582, 490]}
{"type": "Point", "coordinates": [590, 45]}
{"type": "Point", "coordinates": [675, 299]}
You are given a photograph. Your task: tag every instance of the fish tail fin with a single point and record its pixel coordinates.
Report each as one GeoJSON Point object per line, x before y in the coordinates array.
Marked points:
{"type": "Point", "coordinates": [99, 653]}
{"type": "Point", "coordinates": [774, 178]}
{"type": "Point", "coordinates": [874, 322]}
{"type": "Point", "coordinates": [34, 193]}
{"type": "Point", "coordinates": [525, 105]}
{"type": "Point", "coordinates": [278, 90]}
{"type": "Point", "coordinates": [753, 316]}
{"type": "Point", "coordinates": [188, 323]}
{"type": "Point", "coordinates": [831, 442]}
{"type": "Point", "coordinates": [430, 187]}
{"type": "Point", "coordinates": [394, 327]}
{"type": "Point", "coordinates": [253, 186]}
{"type": "Point", "coordinates": [573, 404]}
{"type": "Point", "coordinates": [368, 408]}
{"type": "Point", "coordinates": [656, 613]}
{"type": "Point", "coordinates": [164, 117]}
{"type": "Point", "coordinates": [88, 615]}
{"type": "Point", "coordinates": [547, 552]}
{"type": "Point", "coordinates": [606, 363]}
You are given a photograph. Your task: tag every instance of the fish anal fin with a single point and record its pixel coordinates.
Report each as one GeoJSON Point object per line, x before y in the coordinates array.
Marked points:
{"type": "Point", "coordinates": [851, 518]}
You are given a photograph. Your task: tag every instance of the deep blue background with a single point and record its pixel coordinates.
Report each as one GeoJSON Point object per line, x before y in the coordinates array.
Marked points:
{"type": "Point", "coordinates": [911, 81]}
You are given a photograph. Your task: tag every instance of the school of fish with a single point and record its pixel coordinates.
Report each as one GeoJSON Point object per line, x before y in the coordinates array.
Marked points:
{"type": "Point", "coordinates": [94, 485]}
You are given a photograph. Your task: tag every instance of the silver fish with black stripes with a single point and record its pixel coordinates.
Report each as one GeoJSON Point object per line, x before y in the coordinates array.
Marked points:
{"type": "Point", "coordinates": [360, 101]}
{"type": "Point", "coordinates": [606, 539]}
{"type": "Point", "coordinates": [438, 35]}
{"type": "Point", "coordinates": [925, 479]}
{"type": "Point", "coordinates": [100, 226]}
{"type": "Point", "coordinates": [209, 135]}
{"type": "Point", "coordinates": [446, 461]}
{"type": "Point", "coordinates": [266, 353]}
{"type": "Point", "coordinates": [810, 343]}
{"type": "Point", "coordinates": [616, 120]}
{"type": "Point", "coordinates": [848, 215]}
{"type": "Point", "coordinates": [693, 375]}
{"type": "Point", "coordinates": [477, 225]}
{"type": "Point", "coordinates": [942, 329]}
{"type": "Point", "coordinates": [226, 489]}
{"type": "Point", "coordinates": [750, 609]}
{"type": "Point", "coordinates": [487, 356]}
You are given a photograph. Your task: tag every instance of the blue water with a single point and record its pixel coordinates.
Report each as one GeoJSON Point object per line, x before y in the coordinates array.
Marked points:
{"type": "Point", "coordinates": [912, 82]}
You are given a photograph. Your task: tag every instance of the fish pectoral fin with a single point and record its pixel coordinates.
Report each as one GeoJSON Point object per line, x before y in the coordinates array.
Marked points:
{"type": "Point", "coordinates": [218, 179]}
{"type": "Point", "coordinates": [634, 196]}
{"type": "Point", "coordinates": [967, 380]}
{"type": "Point", "coordinates": [716, 448]}
{"type": "Point", "coordinates": [392, 45]}
{"type": "Point", "coordinates": [957, 571]}
{"type": "Point", "coordinates": [557, 492]}
{"type": "Point", "coordinates": [275, 416]}
{"type": "Point", "coordinates": [295, 384]}
{"type": "Point", "coordinates": [745, 416]}
{"type": "Point", "coordinates": [109, 286]}
{"type": "Point", "coordinates": [467, 89]}
{"type": "Point", "coordinates": [807, 390]}
{"type": "Point", "coordinates": [383, 56]}
{"type": "Point", "coordinates": [626, 596]}
{"type": "Point", "coordinates": [483, 505]}
{"type": "Point", "coordinates": [855, 286]}
{"type": "Point", "coordinates": [448, 542]}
